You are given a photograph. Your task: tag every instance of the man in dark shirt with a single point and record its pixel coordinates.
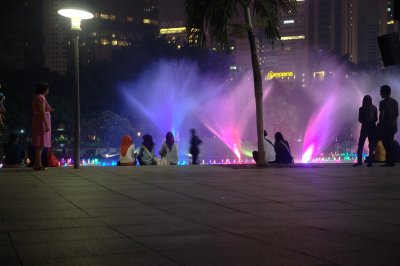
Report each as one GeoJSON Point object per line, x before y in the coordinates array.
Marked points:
{"type": "Point", "coordinates": [14, 153]}
{"type": "Point", "coordinates": [388, 113]}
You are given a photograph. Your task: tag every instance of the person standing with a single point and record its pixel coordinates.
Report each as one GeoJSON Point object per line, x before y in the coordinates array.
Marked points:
{"type": "Point", "coordinates": [388, 113]}
{"type": "Point", "coordinates": [41, 123]}
{"type": "Point", "coordinates": [367, 116]}
{"type": "Point", "coordinates": [195, 141]}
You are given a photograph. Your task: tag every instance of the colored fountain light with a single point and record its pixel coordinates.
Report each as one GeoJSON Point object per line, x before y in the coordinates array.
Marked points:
{"type": "Point", "coordinates": [175, 96]}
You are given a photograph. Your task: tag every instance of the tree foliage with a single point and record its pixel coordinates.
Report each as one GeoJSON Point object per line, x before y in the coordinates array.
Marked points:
{"type": "Point", "coordinates": [214, 20]}
{"type": "Point", "coordinates": [108, 127]}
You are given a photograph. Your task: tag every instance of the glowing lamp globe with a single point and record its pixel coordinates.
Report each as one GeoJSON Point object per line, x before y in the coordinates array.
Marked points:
{"type": "Point", "coordinates": [76, 15]}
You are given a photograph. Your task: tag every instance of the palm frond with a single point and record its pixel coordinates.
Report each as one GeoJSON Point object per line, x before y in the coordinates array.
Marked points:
{"type": "Point", "coordinates": [267, 16]}
{"type": "Point", "coordinates": [208, 20]}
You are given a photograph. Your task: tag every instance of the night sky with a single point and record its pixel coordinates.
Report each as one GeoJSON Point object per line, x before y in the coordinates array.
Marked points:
{"type": "Point", "coordinates": [171, 10]}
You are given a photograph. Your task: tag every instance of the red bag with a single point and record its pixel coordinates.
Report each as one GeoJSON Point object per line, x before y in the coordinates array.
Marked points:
{"type": "Point", "coordinates": [52, 160]}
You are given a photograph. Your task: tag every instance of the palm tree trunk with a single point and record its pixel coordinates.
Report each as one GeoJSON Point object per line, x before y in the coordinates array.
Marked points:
{"type": "Point", "coordinates": [258, 89]}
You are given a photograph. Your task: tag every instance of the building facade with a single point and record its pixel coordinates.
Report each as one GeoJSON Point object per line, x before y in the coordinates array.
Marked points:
{"type": "Point", "coordinates": [116, 25]}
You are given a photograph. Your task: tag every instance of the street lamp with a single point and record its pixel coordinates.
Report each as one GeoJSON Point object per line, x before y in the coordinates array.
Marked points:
{"type": "Point", "coordinates": [76, 15]}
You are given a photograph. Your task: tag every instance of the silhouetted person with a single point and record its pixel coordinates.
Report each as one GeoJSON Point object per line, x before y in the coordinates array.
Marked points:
{"type": "Point", "coordinates": [146, 152]}
{"type": "Point", "coordinates": [14, 153]}
{"type": "Point", "coordinates": [282, 149]}
{"type": "Point", "coordinates": [388, 113]}
{"type": "Point", "coordinates": [195, 141]}
{"type": "Point", "coordinates": [269, 149]}
{"type": "Point", "coordinates": [367, 116]}
{"type": "Point", "coordinates": [169, 149]}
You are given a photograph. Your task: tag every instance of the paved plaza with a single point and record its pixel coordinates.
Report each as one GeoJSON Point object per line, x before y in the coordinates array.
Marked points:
{"type": "Point", "coordinates": [322, 215]}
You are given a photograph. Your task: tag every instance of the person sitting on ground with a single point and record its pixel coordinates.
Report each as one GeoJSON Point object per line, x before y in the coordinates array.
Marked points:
{"type": "Point", "coordinates": [146, 152]}
{"type": "Point", "coordinates": [169, 149]}
{"type": "Point", "coordinates": [127, 155]}
{"type": "Point", "coordinates": [282, 149]}
{"type": "Point", "coordinates": [269, 149]}
{"type": "Point", "coordinates": [14, 152]}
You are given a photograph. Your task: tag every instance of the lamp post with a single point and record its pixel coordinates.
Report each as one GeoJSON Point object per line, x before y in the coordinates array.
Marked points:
{"type": "Point", "coordinates": [76, 15]}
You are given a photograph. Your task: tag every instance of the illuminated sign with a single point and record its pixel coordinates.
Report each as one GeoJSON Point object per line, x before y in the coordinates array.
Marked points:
{"type": "Point", "coordinates": [272, 75]}
{"type": "Point", "coordinates": [173, 30]}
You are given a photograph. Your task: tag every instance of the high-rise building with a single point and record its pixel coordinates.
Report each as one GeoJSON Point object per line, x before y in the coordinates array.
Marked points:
{"type": "Point", "coordinates": [364, 22]}
{"type": "Point", "coordinates": [21, 34]}
{"type": "Point", "coordinates": [393, 25]}
{"type": "Point", "coordinates": [319, 28]}
{"type": "Point", "coordinates": [116, 25]}
{"type": "Point", "coordinates": [56, 37]}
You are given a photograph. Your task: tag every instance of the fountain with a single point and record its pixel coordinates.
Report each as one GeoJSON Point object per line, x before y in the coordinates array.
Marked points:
{"type": "Point", "coordinates": [175, 96]}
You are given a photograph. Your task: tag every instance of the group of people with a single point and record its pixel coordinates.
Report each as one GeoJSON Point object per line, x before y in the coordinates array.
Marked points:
{"type": "Point", "coordinates": [385, 130]}
{"type": "Point", "coordinates": [146, 152]}
{"type": "Point", "coordinates": [375, 128]}
{"type": "Point", "coordinates": [276, 151]}
{"type": "Point", "coordinates": [15, 154]}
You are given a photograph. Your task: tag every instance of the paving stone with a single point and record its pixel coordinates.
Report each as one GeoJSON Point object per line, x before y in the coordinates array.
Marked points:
{"type": "Point", "coordinates": [64, 234]}
{"type": "Point", "coordinates": [78, 248]}
{"type": "Point", "coordinates": [143, 259]}
{"type": "Point", "coordinates": [323, 215]}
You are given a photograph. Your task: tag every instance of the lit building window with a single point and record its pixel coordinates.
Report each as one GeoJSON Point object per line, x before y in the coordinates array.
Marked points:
{"type": "Point", "coordinates": [319, 75]}
{"type": "Point", "coordinates": [94, 34]}
{"type": "Point", "coordinates": [104, 16]}
{"type": "Point", "coordinates": [112, 17]}
{"type": "Point", "coordinates": [105, 42]}
{"type": "Point", "coordinates": [130, 19]}
{"type": "Point", "coordinates": [390, 22]}
{"type": "Point", "coordinates": [114, 42]}
{"type": "Point", "coordinates": [150, 21]}
{"type": "Point", "coordinates": [288, 38]}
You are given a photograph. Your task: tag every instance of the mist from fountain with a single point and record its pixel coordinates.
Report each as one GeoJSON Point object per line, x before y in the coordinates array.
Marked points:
{"type": "Point", "coordinates": [175, 96]}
